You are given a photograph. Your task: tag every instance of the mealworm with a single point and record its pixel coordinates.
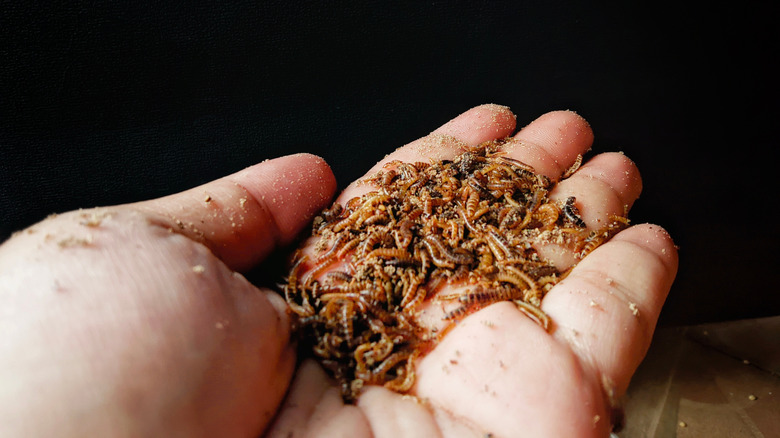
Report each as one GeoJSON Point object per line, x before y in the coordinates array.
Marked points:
{"type": "Point", "coordinates": [535, 313]}
{"type": "Point", "coordinates": [571, 212]}
{"type": "Point", "coordinates": [573, 168]}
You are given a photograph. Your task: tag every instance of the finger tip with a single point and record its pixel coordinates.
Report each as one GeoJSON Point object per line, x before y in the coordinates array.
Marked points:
{"type": "Point", "coordinates": [617, 171]}
{"type": "Point", "coordinates": [551, 143]}
{"type": "Point", "coordinates": [481, 123]}
{"type": "Point", "coordinates": [293, 187]}
{"type": "Point", "coordinates": [655, 239]}
{"type": "Point", "coordinates": [573, 121]}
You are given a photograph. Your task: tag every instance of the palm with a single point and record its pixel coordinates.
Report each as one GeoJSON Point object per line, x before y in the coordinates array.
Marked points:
{"type": "Point", "coordinates": [497, 373]}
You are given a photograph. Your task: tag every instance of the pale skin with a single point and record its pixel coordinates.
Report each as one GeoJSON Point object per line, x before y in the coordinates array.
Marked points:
{"type": "Point", "coordinates": [133, 321]}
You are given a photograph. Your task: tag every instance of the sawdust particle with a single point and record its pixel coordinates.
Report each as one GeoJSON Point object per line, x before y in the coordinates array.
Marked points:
{"type": "Point", "coordinates": [75, 241]}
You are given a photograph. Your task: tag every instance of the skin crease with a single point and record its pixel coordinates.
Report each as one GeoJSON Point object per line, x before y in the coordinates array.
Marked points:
{"type": "Point", "coordinates": [131, 320]}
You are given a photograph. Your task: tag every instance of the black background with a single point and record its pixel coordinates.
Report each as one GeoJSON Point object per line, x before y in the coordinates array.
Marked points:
{"type": "Point", "coordinates": [111, 102]}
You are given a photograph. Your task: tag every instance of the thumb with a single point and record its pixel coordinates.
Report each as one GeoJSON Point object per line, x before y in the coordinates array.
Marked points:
{"type": "Point", "coordinates": [244, 216]}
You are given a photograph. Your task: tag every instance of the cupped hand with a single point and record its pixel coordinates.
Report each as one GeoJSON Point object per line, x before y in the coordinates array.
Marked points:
{"type": "Point", "coordinates": [498, 373]}
{"type": "Point", "coordinates": [132, 320]}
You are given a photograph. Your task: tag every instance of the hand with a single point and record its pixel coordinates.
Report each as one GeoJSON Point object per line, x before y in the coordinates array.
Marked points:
{"type": "Point", "coordinates": [130, 320]}
{"type": "Point", "coordinates": [498, 373]}
{"type": "Point", "coordinates": [123, 321]}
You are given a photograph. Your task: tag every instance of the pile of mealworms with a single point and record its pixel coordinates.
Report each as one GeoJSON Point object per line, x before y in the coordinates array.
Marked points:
{"type": "Point", "coordinates": [472, 221]}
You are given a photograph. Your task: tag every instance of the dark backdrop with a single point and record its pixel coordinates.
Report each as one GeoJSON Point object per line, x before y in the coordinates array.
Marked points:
{"type": "Point", "coordinates": [111, 102]}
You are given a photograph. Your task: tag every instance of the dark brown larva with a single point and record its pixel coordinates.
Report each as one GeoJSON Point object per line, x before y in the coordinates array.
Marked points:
{"type": "Point", "coordinates": [383, 255]}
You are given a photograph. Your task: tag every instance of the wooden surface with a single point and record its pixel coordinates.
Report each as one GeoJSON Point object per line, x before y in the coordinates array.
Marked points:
{"type": "Point", "coordinates": [715, 380]}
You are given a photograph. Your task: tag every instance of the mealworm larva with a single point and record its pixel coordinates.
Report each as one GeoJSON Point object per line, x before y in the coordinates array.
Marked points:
{"type": "Point", "coordinates": [343, 296]}
{"type": "Point", "coordinates": [406, 377]}
{"type": "Point", "coordinates": [421, 165]}
{"type": "Point", "coordinates": [417, 297]}
{"type": "Point", "coordinates": [410, 291]}
{"type": "Point", "coordinates": [430, 203]}
{"type": "Point", "coordinates": [388, 364]}
{"type": "Point", "coordinates": [535, 313]}
{"type": "Point", "coordinates": [499, 167]}
{"type": "Point", "coordinates": [525, 169]}
{"type": "Point", "coordinates": [442, 256]}
{"type": "Point", "coordinates": [403, 235]}
{"type": "Point", "coordinates": [374, 238]}
{"type": "Point", "coordinates": [369, 353]}
{"type": "Point", "coordinates": [333, 250]}
{"type": "Point", "coordinates": [388, 176]}
{"type": "Point", "coordinates": [346, 316]}
{"type": "Point", "coordinates": [596, 238]}
{"type": "Point", "coordinates": [571, 212]}
{"type": "Point", "coordinates": [477, 185]}
{"type": "Point", "coordinates": [406, 170]}
{"type": "Point", "coordinates": [501, 186]}
{"type": "Point", "coordinates": [338, 276]}
{"type": "Point", "coordinates": [433, 251]}
{"type": "Point", "coordinates": [349, 246]}
{"type": "Point", "coordinates": [511, 201]}
{"type": "Point", "coordinates": [460, 274]}
{"type": "Point", "coordinates": [576, 165]}
{"type": "Point", "coordinates": [486, 262]}
{"type": "Point", "coordinates": [548, 215]}
{"type": "Point", "coordinates": [457, 313]}
{"type": "Point", "coordinates": [490, 295]}
{"type": "Point", "coordinates": [516, 281]}
{"type": "Point", "coordinates": [377, 218]}
{"type": "Point", "coordinates": [501, 245]}
{"type": "Point", "coordinates": [455, 232]}
{"type": "Point", "coordinates": [344, 223]}
{"type": "Point", "coordinates": [472, 203]}
{"type": "Point", "coordinates": [332, 213]}
{"type": "Point", "coordinates": [519, 273]}
{"type": "Point", "coordinates": [372, 199]}
{"type": "Point", "coordinates": [317, 269]}
{"type": "Point", "coordinates": [512, 218]}
{"type": "Point", "coordinates": [291, 291]}
{"type": "Point", "coordinates": [398, 256]}
{"type": "Point", "coordinates": [484, 207]}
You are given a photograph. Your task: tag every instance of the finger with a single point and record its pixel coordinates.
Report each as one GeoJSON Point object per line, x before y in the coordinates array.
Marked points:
{"type": "Point", "coordinates": [550, 144]}
{"type": "Point", "coordinates": [314, 407]}
{"type": "Point", "coordinates": [607, 185]}
{"type": "Point", "coordinates": [604, 187]}
{"type": "Point", "coordinates": [392, 415]}
{"type": "Point", "coordinates": [242, 217]}
{"type": "Point", "coordinates": [607, 308]}
{"type": "Point", "coordinates": [500, 372]}
{"type": "Point", "coordinates": [477, 125]}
